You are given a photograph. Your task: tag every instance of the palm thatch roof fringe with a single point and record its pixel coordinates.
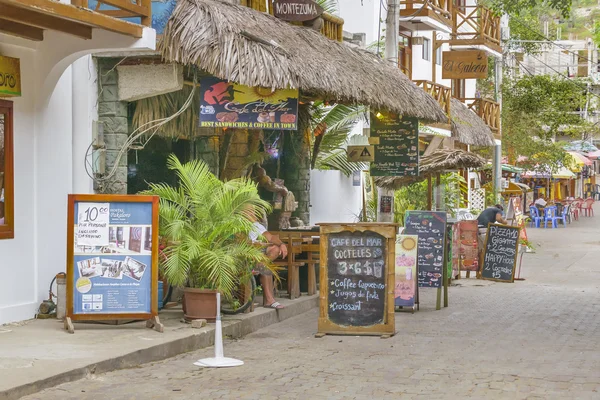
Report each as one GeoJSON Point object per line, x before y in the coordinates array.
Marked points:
{"type": "Point", "coordinates": [242, 45]}
{"type": "Point", "coordinates": [437, 162]}
{"type": "Point", "coordinates": [467, 127]}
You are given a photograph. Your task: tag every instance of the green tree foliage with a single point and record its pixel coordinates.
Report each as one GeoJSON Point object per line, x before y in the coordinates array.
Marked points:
{"type": "Point", "coordinates": [517, 7]}
{"type": "Point", "coordinates": [205, 224]}
{"type": "Point", "coordinates": [538, 108]}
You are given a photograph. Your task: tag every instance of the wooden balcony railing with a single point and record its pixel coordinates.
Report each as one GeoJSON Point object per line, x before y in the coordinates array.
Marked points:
{"type": "Point", "coordinates": [123, 9]}
{"type": "Point", "coordinates": [488, 111]}
{"type": "Point", "coordinates": [440, 8]}
{"type": "Point", "coordinates": [441, 93]}
{"type": "Point", "coordinates": [476, 25]}
{"type": "Point", "coordinates": [332, 27]}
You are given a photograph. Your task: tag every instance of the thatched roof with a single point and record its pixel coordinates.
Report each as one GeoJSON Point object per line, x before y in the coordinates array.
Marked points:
{"type": "Point", "coordinates": [242, 45]}
{"type": "Point", "coordinates": [437, 162]}
{"type": "Point", "coordinates": [467, 127]}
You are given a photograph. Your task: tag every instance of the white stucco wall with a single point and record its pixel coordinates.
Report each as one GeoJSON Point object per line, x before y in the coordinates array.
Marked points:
{"type": "Point", "coordinates": [362, 18]}
{"type": "Point", "coordinates": [52, 130]}
{"type": "Point", "coordinates": [333, 198]}
{"type": "Point", "coordinates": [18, 286]}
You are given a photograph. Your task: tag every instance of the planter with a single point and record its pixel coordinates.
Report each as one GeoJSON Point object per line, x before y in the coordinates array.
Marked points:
{"type": "Point", "coordinates": [200, 304]}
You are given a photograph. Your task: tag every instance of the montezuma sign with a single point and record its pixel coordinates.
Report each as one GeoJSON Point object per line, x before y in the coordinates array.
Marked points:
{"type": "Point", "coordinates": [10, 77]}
{"type": "Point", "coordinates": [296, 10]}
{"type": "Point", "coordinates": [471, 64]}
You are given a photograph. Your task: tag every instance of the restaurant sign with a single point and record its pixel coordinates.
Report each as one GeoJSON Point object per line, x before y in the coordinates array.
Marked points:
{"type": "Point", "coordinates": [10, 77]}
{"type": "Point", "coordinates": [297, 10]}
{"type": "Point", "coordinates": [230, 105]}
{"type": "Point", "coordinates": [471, 64]}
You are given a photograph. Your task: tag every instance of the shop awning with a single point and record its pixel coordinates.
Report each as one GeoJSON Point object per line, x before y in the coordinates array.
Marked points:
{"type": "Point", "coordinates": [578, 161]}
{"type": "Point", "coordinates": [562, 173]}
{"type": "Point", "coordinates": [594, 155]}
{"type": "Point", "coordinates": [582, 146]}
{"type": "Point", "coordinates": [467, 127]}
{"type": "Point", "coordinates": [252, 48]}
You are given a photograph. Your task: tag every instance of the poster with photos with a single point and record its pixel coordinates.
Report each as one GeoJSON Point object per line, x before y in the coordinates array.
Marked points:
{"type": "Point", "coordinates": [112, 264]}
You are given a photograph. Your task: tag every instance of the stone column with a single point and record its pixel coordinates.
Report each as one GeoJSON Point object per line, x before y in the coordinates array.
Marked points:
{"type": "Point", "coordinates": [296, 172]}
{"type": "Point", "coordinates": [112, 113]}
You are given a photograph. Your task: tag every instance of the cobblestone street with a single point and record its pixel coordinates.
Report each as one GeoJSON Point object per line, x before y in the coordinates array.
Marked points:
{"type": "Point", "coordinates": [536, 338]}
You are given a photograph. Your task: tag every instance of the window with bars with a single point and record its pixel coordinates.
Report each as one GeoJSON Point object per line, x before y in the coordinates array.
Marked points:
{"type": "Point", "coordinates": [426, 49]}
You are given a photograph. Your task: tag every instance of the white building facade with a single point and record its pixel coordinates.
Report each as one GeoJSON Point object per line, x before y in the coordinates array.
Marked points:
{"type": "Point", "coordinates": [51, 127]}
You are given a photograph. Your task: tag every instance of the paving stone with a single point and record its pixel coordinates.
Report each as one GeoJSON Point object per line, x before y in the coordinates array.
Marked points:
{"type": "Point", "coordinates": [533, 339]}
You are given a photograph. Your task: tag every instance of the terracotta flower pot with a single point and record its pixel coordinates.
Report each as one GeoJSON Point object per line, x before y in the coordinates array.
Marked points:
{"type": "Point", "coordinates": [200, 304]}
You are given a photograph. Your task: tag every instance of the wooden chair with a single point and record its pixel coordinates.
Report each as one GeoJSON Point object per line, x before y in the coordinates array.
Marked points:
{"type": "Point", "coordinates": [293, 241]}
{"type": "Point", "coordinates": [312, 251]}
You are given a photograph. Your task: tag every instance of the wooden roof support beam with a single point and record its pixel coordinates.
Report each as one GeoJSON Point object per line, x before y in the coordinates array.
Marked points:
{"type": "Point", "coordinates": [38, 20]}
{"type": "Point", "coordinates": [20, 30]}
{"type": "Point", "coordinates": [77, 14]}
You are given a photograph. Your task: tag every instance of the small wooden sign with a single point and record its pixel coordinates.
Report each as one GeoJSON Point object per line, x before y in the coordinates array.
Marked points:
{"type": "Point", "coordinates": [10, 77]}
{"type": "Point", "coordinates": [467, 64]}
{"type": "Point", "coordinates": [500, 253]}
{"type": "Point", "coordinates": [361, 153]}
{"type": "Point", "coordinates": [296, 10]}
{"type": "Point", "coordinates": [357, 279]}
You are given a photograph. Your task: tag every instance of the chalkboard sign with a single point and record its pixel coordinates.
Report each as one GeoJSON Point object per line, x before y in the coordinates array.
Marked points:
{"type": "Point", "coordinates": [357, 272]}
{"type": "Point", "coordinates": [112, 257]}
{"type": "Point", "coordinates": [396, 146]}
{"type": "Point", "coordinates": [430, 226]}
{"type": "Point", "coordinates": [500, 253]}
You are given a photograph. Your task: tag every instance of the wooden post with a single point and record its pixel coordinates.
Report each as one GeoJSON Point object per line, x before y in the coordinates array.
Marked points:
{"type": "Point", "coordinates": [429, 193]}
{"type": "Point", "coordinates": [438, 193]}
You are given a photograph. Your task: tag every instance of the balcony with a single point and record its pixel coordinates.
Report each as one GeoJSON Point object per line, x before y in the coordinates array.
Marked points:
{"type": "Point", "coordinates": [488, 111]}
{"type": "Point", "coordinates": [476, 27]}
{"type": "Point", "coordinates": [426, 15]}
{"type": "Point", "coordinates": [441, 93]}
{"type": "Point", "coordinates": [29, 18]}
{"type": "Point", "coordinates": [332, 26]}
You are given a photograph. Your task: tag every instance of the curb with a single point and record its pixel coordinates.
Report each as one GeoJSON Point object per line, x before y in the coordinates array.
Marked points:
{"type": "Point", "coordinates": [234, 327]}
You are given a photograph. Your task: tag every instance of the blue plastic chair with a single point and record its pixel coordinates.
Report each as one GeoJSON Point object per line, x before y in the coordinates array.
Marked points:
{"type": "Point", "coordinates": [563, 217]}
{"type": "Point", "coordinates": [534, 215]}
{"type": "Point", "coordinates": [549, 215]}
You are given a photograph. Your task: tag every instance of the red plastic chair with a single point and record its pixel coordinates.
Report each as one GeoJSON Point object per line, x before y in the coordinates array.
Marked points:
{"type": "Point", "coordinates": [587, 207]}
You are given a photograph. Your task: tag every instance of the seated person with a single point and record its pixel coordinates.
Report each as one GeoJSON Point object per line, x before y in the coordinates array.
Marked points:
{"type": "Point", "coordinates": [540, 203]}
{"type": "Point", "coordinates": [275, 248]}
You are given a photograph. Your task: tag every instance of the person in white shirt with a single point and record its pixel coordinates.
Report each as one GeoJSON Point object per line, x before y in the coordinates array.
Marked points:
{"type": "Point", "coordinates": [274, 249]}
{"type": "Point", "coordinates": [541, 202]}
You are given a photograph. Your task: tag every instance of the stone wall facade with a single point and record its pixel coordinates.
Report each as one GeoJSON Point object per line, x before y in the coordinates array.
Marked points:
{"type": "Point", "coordinates": [112, 113]}
{"type": "Point", "coordinates": [296, 172]}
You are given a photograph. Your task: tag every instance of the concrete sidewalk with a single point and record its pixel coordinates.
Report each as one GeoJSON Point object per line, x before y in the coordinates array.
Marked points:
{"type": "Point", "coordinates": [39, 354]}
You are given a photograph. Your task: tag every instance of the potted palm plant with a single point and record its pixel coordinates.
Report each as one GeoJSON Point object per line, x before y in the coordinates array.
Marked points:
{"type": "Point", "coordinates": [204, 224]}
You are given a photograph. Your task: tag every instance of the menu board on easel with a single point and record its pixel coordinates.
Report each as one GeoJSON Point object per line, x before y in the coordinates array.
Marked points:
{"type": "Point", "coordinates": [357, 279]}
{"type": "Point", "coordinates": [500, 253]}
{"type": "Point", "coordinates": [465, 254]}
{"type": "Point", "coordinates": [405, 289]}
{"type": "Point", "coordinates": [112, 259]}
{"type": "Point", "coordinates": [430, 226]}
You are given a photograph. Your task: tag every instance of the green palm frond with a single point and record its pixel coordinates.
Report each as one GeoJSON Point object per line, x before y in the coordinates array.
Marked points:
{"type": "Point", "coordinates": [330, 6]}
{"type": "Point", "coordinates": [338, 160]}
{"type": "Point", "coordinates": [204, 223]}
